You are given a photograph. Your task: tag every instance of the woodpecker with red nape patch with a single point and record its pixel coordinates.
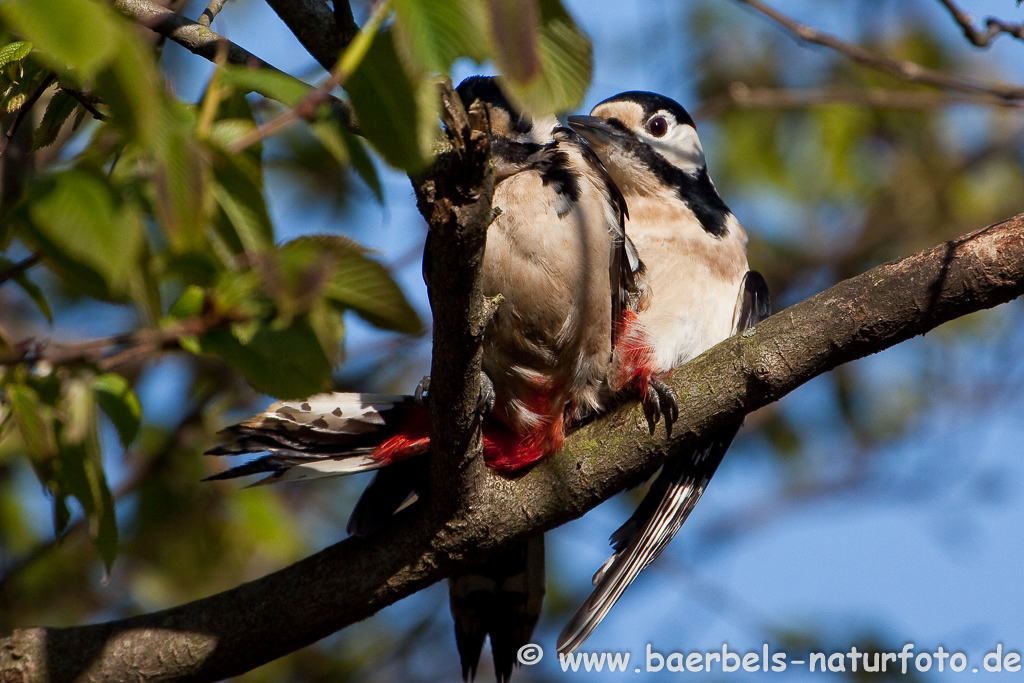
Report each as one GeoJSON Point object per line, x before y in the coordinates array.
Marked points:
{"type": "Point", "coordinates": [571, 285]}
{"type": "Point", "coordinates": [703, 292]}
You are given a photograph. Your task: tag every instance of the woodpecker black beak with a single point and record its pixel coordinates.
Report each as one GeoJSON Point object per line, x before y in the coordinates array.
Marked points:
{"type": "Point", "coordinates": [594, 128]}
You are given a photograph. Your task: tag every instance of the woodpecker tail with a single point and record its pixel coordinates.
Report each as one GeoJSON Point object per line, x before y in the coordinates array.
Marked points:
{"type": "Point", "coordinates": [641, 539]}
{"type": "Point", "coordinates": [327, 435]}
{"type": "Point", "coordinates": [669, 501]}
{"type": "Point", "coordinates": [501, 597]}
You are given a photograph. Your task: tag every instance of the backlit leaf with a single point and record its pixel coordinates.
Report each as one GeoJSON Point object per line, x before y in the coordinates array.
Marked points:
{"type": "Point", "coordinates": [114, 395]}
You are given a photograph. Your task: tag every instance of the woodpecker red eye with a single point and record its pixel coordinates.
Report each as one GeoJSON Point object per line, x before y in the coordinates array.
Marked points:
{"type": "Point", "coordinates": [657, 126]}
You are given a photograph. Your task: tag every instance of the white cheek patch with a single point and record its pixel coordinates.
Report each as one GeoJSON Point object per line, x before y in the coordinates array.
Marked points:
{"type": "Point", "coordinates": [681, 147]}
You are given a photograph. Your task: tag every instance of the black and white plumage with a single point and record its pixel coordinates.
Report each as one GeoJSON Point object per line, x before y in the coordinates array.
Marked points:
{"type": "Point", "coordinates": [702, 293]}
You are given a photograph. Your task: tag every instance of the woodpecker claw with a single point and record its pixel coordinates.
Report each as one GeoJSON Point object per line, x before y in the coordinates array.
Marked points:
{"type": "Point", "coordinates": [668, 403]}
{"type": "Point", "coordinates": [422, 394]}
{"type": "Point", "coordinates": [485, 404]}
{"type": "Point", "coordinates": [652, 410]}
{"type": "Point", "coordinates": [660, 401]}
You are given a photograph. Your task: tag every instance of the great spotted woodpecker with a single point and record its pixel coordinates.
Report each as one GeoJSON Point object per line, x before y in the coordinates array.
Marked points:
{"type": "Point", "coordinates": [694, 250]}
{"type": "Point", "coordinates": [562, 344]}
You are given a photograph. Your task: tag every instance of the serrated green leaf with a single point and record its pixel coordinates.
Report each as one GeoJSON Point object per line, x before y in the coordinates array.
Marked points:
{"type": "Point", "coordinates": [78, 220]}
{"type": "Point", "coordinates": [431, 34]}
{"type": "Point", "coordinates": [60, 108]}
{"type": "Point", "coordinates": [14, 52]}
{"type": "Point", "coordinates": [396, 109]}
{"type": "Point", "coordinates": [364, 286]}
{"type": "Point", "coordinates": [566, 63]}
{"type": "Point", "coordinates": [58, 30]}
{"type": "Point", "coordinates": [115, 396]}
{"type": "Point", "coordinates": [286, 363]}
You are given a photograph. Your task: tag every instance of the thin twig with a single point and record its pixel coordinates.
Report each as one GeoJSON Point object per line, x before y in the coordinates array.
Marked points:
{"type": "Point", "coordinates": [211, 12]}
{"type": "Point", "coordinates": [201, 41]}
{"type": "Point", "coordinates": [993, 26]}
{"type": "Point", "coordinates": [23, 112]}
{"type": "Point", "coordinates": [743, 96]}
{"type": "Point", "coordinates": [903, 69]}
{"type": "Point", "coordinates": [18, 268]}
{"type": "Point", "coordinates": [307, 108]}
{"type": "Point", "coordinates": [84, 101]}
{"type": "Point", "coordinates": [110, 352]}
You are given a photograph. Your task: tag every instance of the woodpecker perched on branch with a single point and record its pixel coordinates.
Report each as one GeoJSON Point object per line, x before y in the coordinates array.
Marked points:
{"type": "Point", "coordinates": [562, 344]}
{"type": "Point", "coordinates": [694, 250]}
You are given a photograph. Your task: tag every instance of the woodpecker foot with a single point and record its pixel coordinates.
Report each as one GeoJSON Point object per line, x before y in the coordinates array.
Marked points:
{"type": "Point", "coordinates": [422, 393]}
{"type": "Point", "coordinates": [660, 400]}
{"type": "Point", "coordinates": [484, 404]}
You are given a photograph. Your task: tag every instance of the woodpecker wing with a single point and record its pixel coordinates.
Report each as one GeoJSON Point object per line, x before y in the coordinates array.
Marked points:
{"type": "Point", "coordinates": [668, 503]}
{"type": "Point", "coordinates": [326, 435]}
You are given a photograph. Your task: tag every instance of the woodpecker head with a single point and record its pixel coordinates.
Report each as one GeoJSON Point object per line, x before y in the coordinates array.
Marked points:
{"type": "Point", "coordinates": [506, 121]}
{"type": "Point", "coordinates": [649, 145]}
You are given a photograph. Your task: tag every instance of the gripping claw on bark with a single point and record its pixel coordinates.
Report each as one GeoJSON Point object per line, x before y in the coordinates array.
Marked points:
{"type": "Point", "coordinates": [484, 404]}
{"type": "Point", "coordinates": [660, 401]}
{"type": "Point", "coordinates": [422, 393]}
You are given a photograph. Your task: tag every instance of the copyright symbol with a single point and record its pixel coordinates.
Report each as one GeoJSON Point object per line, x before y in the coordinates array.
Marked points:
{"type": "Point", "coordinates": [530, 654]}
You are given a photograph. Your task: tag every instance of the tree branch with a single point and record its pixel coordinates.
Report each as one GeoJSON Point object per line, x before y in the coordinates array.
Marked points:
{"type": "Point", "coordinates": [23, 111]}
{"type": "Point", "coordinates": [993, 26]}
{"type": "Point", "coordinates": [314, 24]}
{"type": "Point", "coordinates": [231, 632]}
{"type": "Point", "coordinates": [200, 40]}
{"type": "Point", "coordinates": [454, 196]}
{"type": "Point", "coordinates": [903, 69]}
{"type": "Point", "coordinates": [740, 95]}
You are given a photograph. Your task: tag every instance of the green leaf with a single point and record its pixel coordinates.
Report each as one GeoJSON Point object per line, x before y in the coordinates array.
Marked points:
{"type": "Point", "coordinates": [396, 110]}
{"type": "Point", "coordinates": [35, 429]}
{"type": "Point", "coordinates": [271, 84]}
{"type": "Point", "coordinates": [81, 466]}
{"type": "Point", "coordinates": [363, 285]}
{"type": "Point", "coordinates": [363, 164]}
{"type": "Point", "coordinates": [31, 289]}
{"type": "Point", "coordinates": [133, 90]}
{"type": "Point", "coordinates": [243, 221]}
{"type": "Point", "coordinates": [61, 107]}
{"type": "Point", "coordinates": [431, 34]}
{"type": "Point", "coordinates": [115, 396]}
{"type": "Point", "coordinates": [180, 180]}
{"type": "Point", "coordinates": [188, 305]}
{"type": "Point", "coordinates": [286, 363]}
{"type": "Point", "coordinates": [82, 34]}
{"type": "Point", "coordinates": [566, 61]}
{"type": "Point", "coordinates": [82, 225]}
{"type": "Point", "coordinates": [14, 52]}
{"type": "Point", "coordinates": [515, 28]}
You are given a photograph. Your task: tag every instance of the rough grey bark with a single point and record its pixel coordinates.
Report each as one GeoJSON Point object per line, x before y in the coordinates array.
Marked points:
{"type": "Point", "coordinates": [234, 631]}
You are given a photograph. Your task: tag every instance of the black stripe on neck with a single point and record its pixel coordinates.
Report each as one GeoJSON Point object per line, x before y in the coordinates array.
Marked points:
{"type": "Point", "coordinates": [694, 189]}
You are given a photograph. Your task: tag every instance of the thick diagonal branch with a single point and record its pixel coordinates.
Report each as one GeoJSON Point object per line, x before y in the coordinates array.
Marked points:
{"type": "Point", "coordinates": [231, 632]}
